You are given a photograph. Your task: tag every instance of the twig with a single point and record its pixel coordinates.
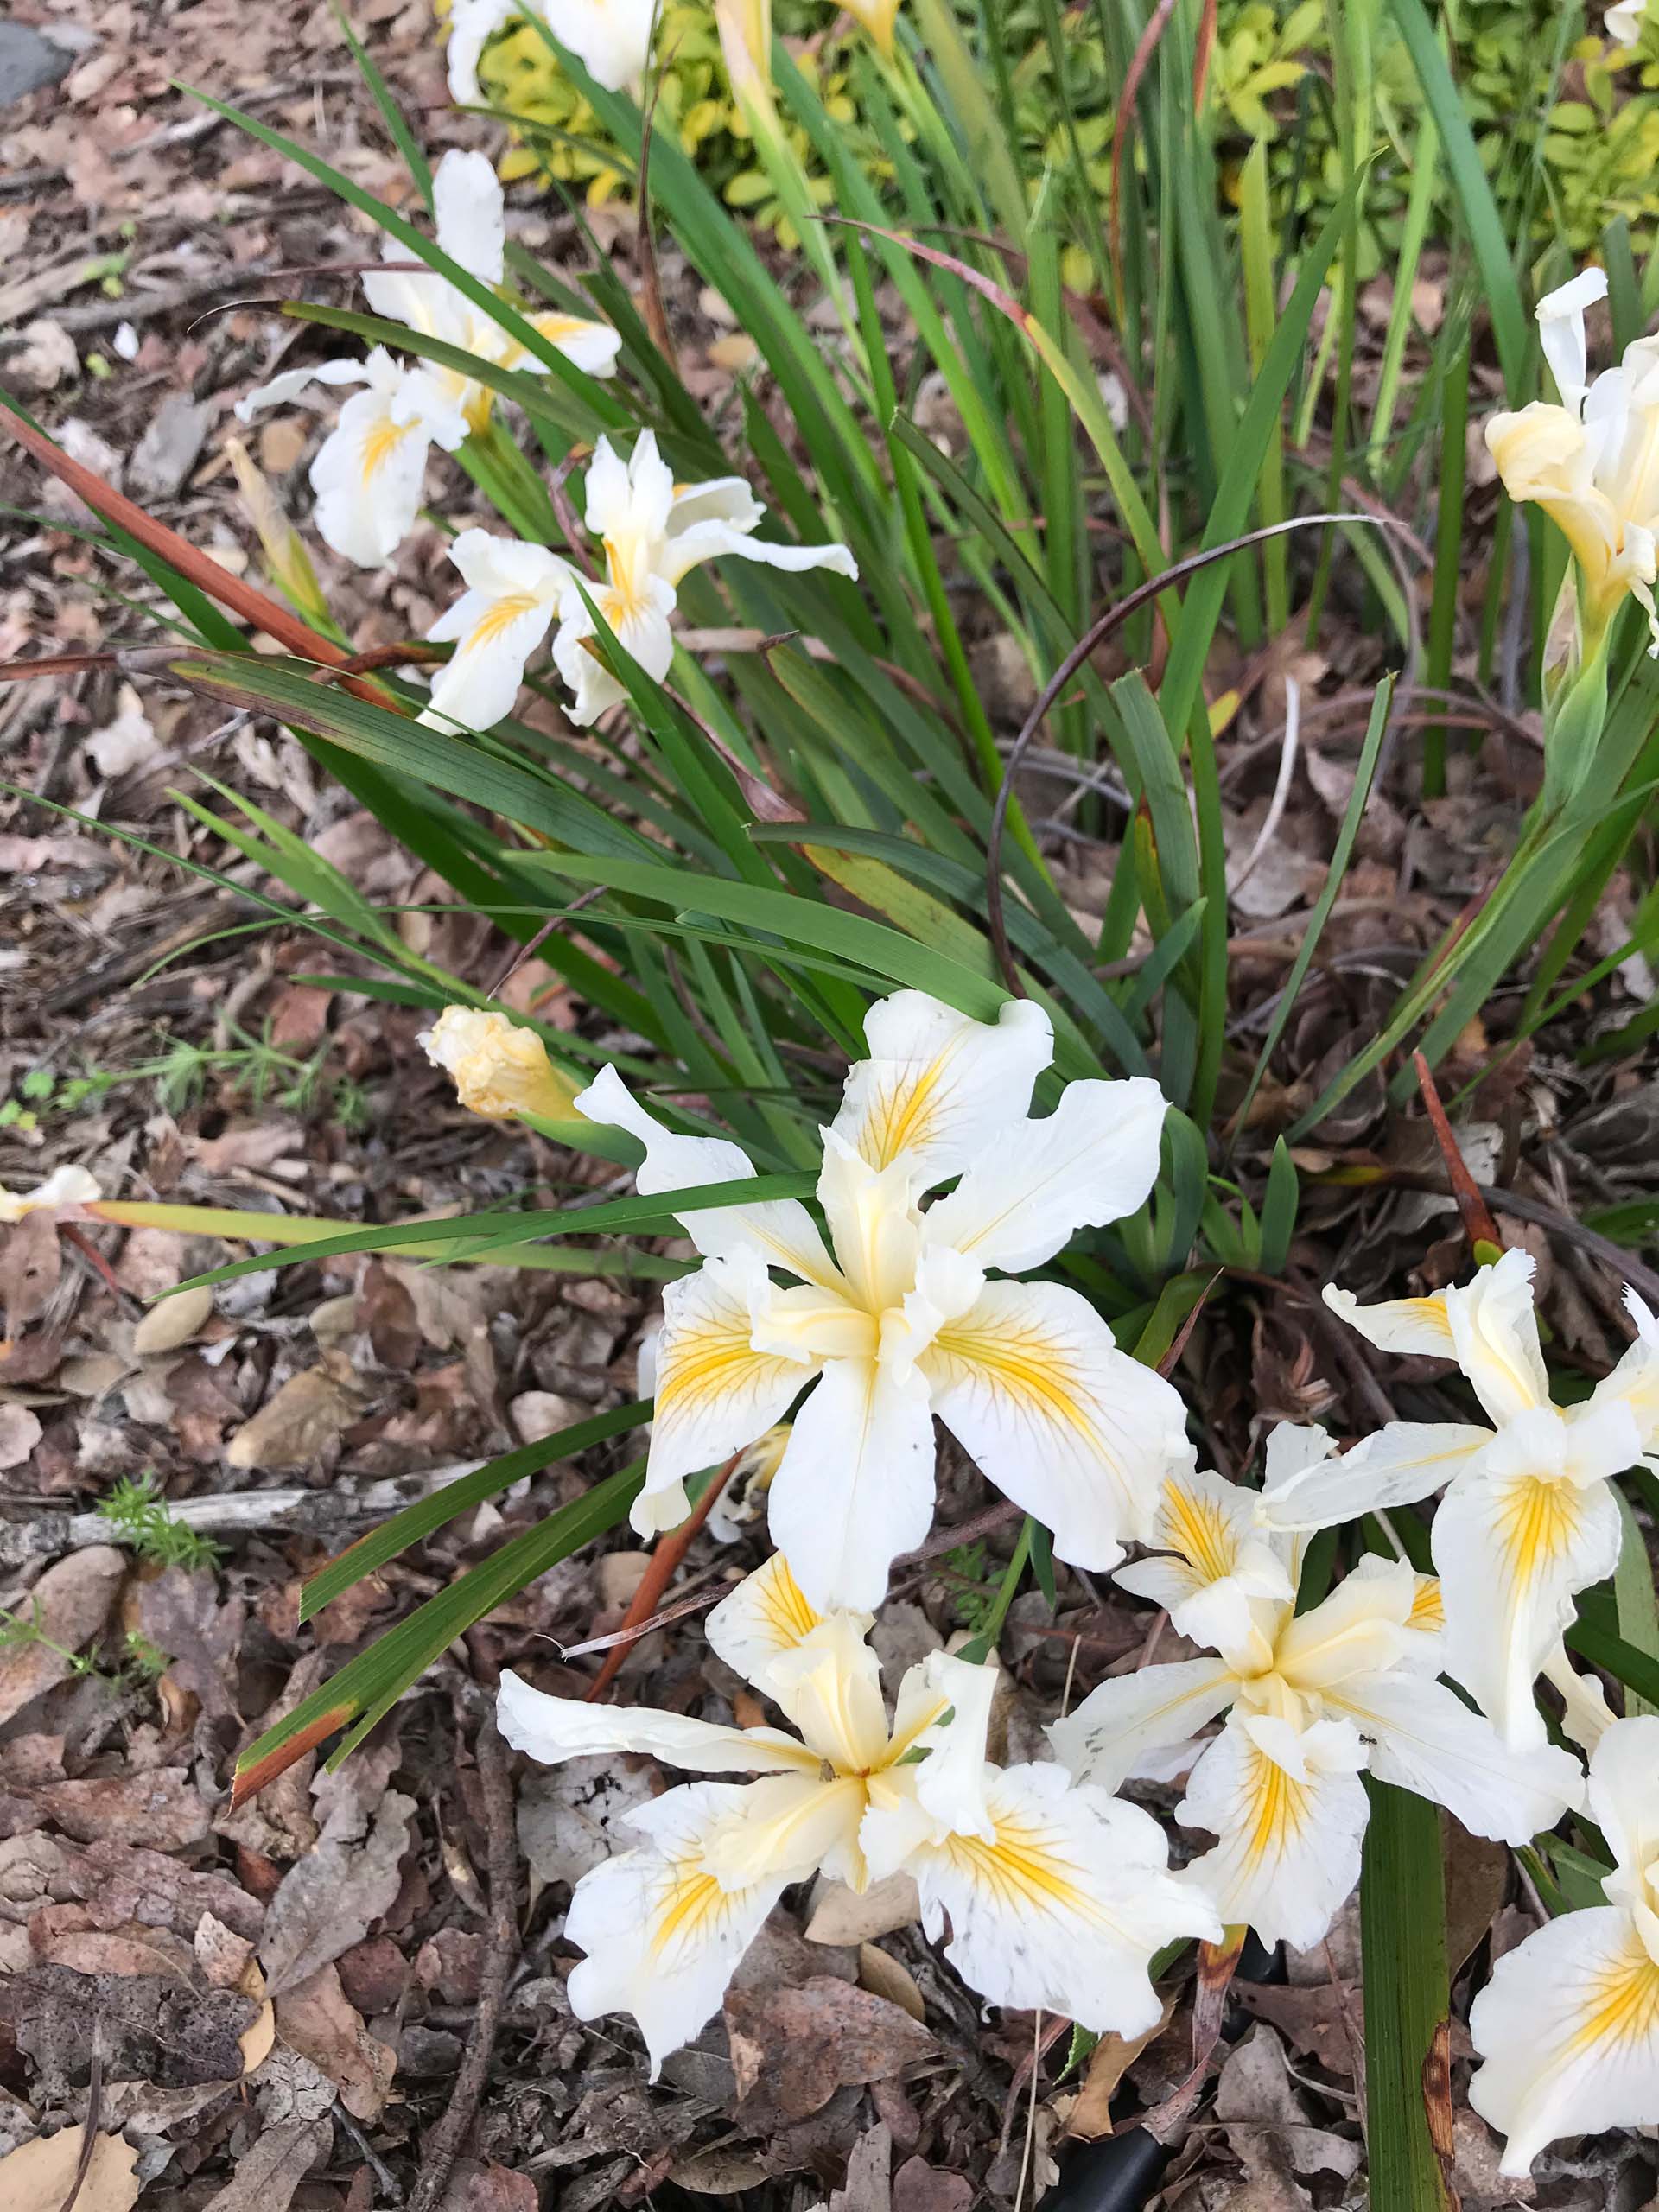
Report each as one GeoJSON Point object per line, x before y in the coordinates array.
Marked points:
{"type": "Point", "coordinates": [671, 1549]}
{"type": "Point", "coordinates": [439, 2148]}
{"type": "Point", "coordinates": [94, 2104]}
{"type": "Point", "coordinates": [669, 1615]}
{"type": "Point", "coordinates": [235, 1513]}
{"type": "Point", "coordinates": [1091, 639]}
{"type": "Point", "coordinates": [1281, 788]}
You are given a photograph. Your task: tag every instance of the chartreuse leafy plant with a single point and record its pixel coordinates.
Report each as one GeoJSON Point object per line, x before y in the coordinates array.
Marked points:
{"type": "Point", "coordinates": [760, 821]}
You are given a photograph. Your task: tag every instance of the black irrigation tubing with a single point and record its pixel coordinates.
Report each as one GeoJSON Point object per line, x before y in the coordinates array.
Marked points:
{"type": "Point", "coordinates": [1096, 635]}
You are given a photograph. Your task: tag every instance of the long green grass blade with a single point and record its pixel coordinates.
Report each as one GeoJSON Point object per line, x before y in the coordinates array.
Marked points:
{"type": "Point", "coordinates": [1402, 1933]}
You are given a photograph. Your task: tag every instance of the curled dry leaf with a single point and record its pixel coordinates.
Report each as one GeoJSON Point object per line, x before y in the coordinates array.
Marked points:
{"type": "Point", "coordinates": [792, 2047]}
{"type": "Point", "coordinates": [174, 1322]}
{"type": "Point", "coordinates": [317, 2020]}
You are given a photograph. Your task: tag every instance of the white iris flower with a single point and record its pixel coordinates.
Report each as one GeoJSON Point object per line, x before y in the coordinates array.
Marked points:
{"type": "Point", "coordinates": [610, 38]}
{"type": "Point", "coordinates": [1057, 1895]}
{"type": "Point", "coordinates": [653, 533]}
{"type": "Point", "coordinates": [1568, 2025]}
{"type": "Point", "coordinates": [908, 1315]}
{"type": "Point", "coordinates": [1312, 1700]}
{"type": "Point", "coordinates": [370, 475]}
{"type": "Point", "coordinates": [1529, 1517]}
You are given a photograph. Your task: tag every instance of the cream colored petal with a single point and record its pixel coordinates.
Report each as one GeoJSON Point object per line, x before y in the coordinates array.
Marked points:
{"type": "Point", "coordinates": [944, 1711]}
{"type": "Point", "coordinates": [1494, 1327]}
{"type": "Point", "coordinates": [1624, 1792]}
{"type": "Point", "coordinates": [855, 1487]}
{"type": "Point", "coordinates": [1289, 1810]}
{"type": "Point", "coordinates": [1360, 1628]}
{"type": "Point", "coordinates": [555, 1728]}
{"type": "Point", "coordinates": [1130, 1716]}
{"type": "Point", "coordinates": [1395, 1465]}
{"type": "Point", "coordinates": [590, 347]}
{"type": "Point", "coordinates": [1401, 1325]}
{"type": "Point", "coordinates": [1063, 1906]}
{"type": "Point", "coordinates": [715, 1393]}
{"type": "Point", "coordinates": [470, 210]}
{"type": "Point", "coordinates": [1560, 330]}
{"type": "Point", "coordinates": [500, 1069]}
{"type": "Point", "coordinates": [873, 1224]}
{"type": "Point", "coordinates": [828, 1684]}
{"type": "Point", "coordinates": [780, 1229]}
{"type": "Point", "coordinates": [1226, 1569]}
{"type": "Point", "coordinates": [1634, 1382]}
{"type": "Point", "coordinates": [1032, 1386]}
{"type": "Point", "coordinates": [786, 1825]}
{"type": "Point", "coordinates": [663, 1937]}
{"type": "Point", "coordinates": [1424, 1738]}
{"type": "Point", "coordinates": [479, 685]}
{"type": "Point", "coordinates": [610, 38]}
{"type": "Point", "coordinates": [938, 1086]}
{"type": "Point", "coordinates": [711, 541]}
{"type": "Point", "coordinates": [1092, 1160]}
{"type": "Point", "coordinates": [765, 1615]}
{"type": "Point", "coordinates": [368, 478]}
{"type": "Point", "coordinates": [1512, 1553]}
{"type": "Point", "coordinates": [1568, 2029]}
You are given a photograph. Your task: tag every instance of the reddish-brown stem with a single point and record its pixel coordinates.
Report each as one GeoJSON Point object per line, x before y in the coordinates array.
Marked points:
{"type": "Point", "coordinates": [671, 1549]}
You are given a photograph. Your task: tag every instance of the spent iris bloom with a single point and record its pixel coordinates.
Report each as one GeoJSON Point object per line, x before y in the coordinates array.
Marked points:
{"type": "Point", "coordinates": [500, 1070]}
{"type": "Point", "coordinates": [63, 1189]}
{"type": "Point", "coordinates": [610, 38]}
{"type": "Point", "coordinates": [1529, 1516]}
{"type": "Point", "coordinates": [654, 532]}
{"type": "Point", "coordinates": [1312, 1700]}
{"type": "Point", "coordinates": [369, 475]}
{"type": "Point", "coordinates": [901, 1316]}
{"type": "Point", "coordinates": [1592, 462]}
{"type": "Point", "coordinates": [1567, 2028]}
{"type": "Point", "coordinates": [1059, 1896]}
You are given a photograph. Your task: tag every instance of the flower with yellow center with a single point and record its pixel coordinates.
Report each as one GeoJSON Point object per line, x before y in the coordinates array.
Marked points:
{"type": "Point", "coordinates": [1529, 1516]}
{"type": "Point", "coordinates": [1312, 1699]}
{"type": "Point", "coordinates": [652, 532]}
{"type": "Point", "coordinates": [906, 1313]}
{"type": "Point", "coordinates": [370, 475]}
{"type": "Point", "coordinates": [500, 1070]}
{"type": "Point", "coordinates": [1057, 1895]}
{"type": "Point", "coordinates": [1567, 2028]}
{"type": "Point", "coordinates": [1592, 462]}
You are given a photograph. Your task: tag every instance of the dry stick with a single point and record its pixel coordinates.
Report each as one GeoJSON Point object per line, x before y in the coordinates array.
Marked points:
{"type": "Point", "coordinates": [671, 1549]}
{"type": "Point", "coordinates": [439, 2150]}
{"type": "Point", "coordinates": [94, 2104]}
{"type": "Point", "coordinates": [1094, 636]}
{"type": "Point", "coordinates": [1477, 1223]}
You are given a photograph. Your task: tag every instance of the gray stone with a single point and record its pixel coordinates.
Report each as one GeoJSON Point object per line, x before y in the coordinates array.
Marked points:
{"type": "Point", "coordinates": [28, 61]}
